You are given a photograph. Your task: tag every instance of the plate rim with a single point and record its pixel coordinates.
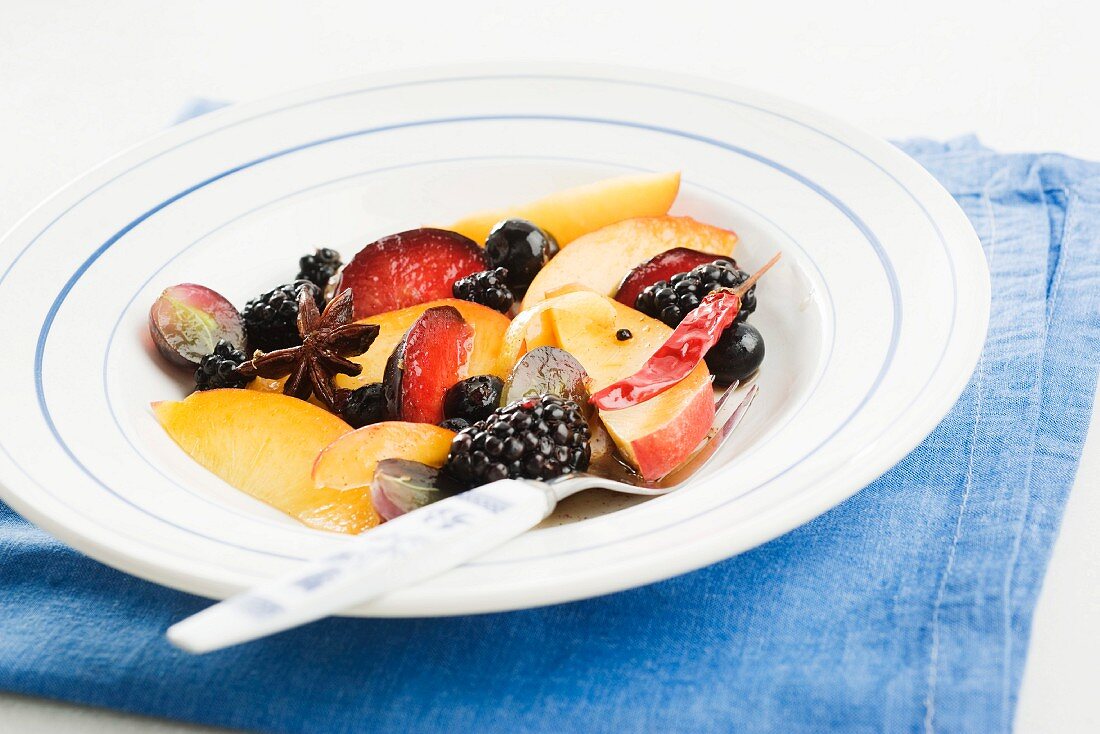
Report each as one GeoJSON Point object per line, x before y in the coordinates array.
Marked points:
{"type": "Point", "coordinates": [103, 544]}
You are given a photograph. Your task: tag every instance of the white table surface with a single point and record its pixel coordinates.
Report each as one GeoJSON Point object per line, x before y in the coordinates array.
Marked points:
{"type": "Point", "coordinates": [80, 81]}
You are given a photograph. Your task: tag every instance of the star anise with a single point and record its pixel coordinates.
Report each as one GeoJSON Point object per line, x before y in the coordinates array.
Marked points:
{"type": "Point", "coordinates": [328, 339]}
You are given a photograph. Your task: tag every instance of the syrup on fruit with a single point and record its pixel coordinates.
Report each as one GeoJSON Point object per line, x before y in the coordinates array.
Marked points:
{"type": "Point", "coordinates": [414, 383]}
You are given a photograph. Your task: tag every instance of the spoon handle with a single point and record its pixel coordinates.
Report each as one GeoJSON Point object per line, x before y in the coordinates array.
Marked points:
{"type": "Point", "coordinates": [402, 552]}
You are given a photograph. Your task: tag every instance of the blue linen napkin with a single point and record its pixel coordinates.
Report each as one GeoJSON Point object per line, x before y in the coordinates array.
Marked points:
{"type": "Point", "coordinates": [907, 608]}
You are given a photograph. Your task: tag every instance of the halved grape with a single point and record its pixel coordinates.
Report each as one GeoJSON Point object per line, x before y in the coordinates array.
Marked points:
{"type": "Point", "coordinates": [548, 370]}
{"type": "Point", "coordinates": [401, 486]}
{"type": "Point", "coordinates": [187, 321]}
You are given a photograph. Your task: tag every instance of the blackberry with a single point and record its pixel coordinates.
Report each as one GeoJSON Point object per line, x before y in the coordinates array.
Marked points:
{"type": "Point", "coordinates": [455, 424]}
{"type": "Point", "coordinates": [474, 398]}
{"type": "Point", "coordinates": [219, 369]}
{"type": "Point", "coordinates": [319, 267]}
{"type": "Point", "coordinates": [271, 318]}
{"type": "Point", "coordinates": [522, 248]}
{"type": "Point", "coordinates": [539, 438]}
{"type": "Point", "coordinates": [489, 288]}
{"type": "Point", "coordinates": [671, 300]}
{"type": "Point", "coordinates": [365, 405]}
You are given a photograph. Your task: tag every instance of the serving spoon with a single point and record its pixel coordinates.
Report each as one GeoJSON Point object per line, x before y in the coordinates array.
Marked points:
{"type": "Point", "coordinates": [419, 545]}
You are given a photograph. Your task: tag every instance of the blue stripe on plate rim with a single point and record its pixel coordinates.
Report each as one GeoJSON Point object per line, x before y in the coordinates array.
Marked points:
{"type": "Point", "coordinates": [362, 174]}
{"type": "Point", "coordinates": [875, 244]}
{"type": "Point", "coordinates": [879, 252]}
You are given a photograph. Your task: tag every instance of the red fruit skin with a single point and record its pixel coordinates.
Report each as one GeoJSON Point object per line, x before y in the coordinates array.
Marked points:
{"type": "Point", "coordinates": [661, 266]}
{"type": "Point", "coordinates": [408, 268]}
{"type": "Point", "coordinates": [184, 343]}
{"type": "Point", "coordinates": [652, 452]}
{"type": "Point", "coordinates": [429, 360]}
{"type": "Point", "coordinates": [677, 357]}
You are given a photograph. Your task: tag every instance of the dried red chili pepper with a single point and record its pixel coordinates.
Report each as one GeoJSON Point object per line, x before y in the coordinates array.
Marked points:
{"type": "Point", "coordinates": [683, 350]}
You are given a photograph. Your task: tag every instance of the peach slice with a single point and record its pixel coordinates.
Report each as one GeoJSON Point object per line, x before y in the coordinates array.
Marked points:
{"type": "Point", "coordinates": [532, 328]}
{"type": "Point", "coordinates": [600, 260]}
{"type": "Point", "coordinates": [265, 445]}
{"type": "Point", "coordinates": [347, 464]}
{"type": "Point", "coordinates": [574, 212]}
{"type": "Point", "coordinates": [660, 434]}
{"type": "Point", "coordinates": [489, 327]}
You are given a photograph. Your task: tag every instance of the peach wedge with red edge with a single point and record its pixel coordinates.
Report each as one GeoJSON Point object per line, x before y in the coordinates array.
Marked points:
{"type": "Point", "coordinates": [571, 213]}
{"type": "Point", "coordinates": [489, 327]}
{"type": "Point", "coordinates": [348, 463]}
{"type": "Point", "coordinates": [660, 434]}
{"type": "Point", "coordinates": [265, 445]}
{"type": "Point", "coordinates": [600, 260]}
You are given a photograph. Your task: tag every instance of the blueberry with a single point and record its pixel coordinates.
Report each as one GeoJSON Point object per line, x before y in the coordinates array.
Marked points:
{"type": "Point", "coordinates": [522, 248]}
{"type": "Point", "coordinates": [365, 405]}
{"type": "Point", "coordinates": [474, 398]}
{"type": "Point", "coordinates": [455, 424]}
{"type": "Point", "coordinates": [737, 354]}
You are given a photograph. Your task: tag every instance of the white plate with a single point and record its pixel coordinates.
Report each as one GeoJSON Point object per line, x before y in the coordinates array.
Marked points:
{"type": "Point", "coordinates": [874, 319]}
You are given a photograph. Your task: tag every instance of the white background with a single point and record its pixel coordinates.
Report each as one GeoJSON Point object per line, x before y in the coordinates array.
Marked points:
{"type": "Point", "coordinates": [80, 81]}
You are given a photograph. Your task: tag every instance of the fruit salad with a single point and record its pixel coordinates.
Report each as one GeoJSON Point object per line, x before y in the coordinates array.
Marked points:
{"type": "Point", "coordinates": [584, 332]}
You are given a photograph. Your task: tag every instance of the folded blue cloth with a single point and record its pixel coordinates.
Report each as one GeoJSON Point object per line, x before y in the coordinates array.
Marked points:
{"type": "Point", "coordinates": [907, 608]}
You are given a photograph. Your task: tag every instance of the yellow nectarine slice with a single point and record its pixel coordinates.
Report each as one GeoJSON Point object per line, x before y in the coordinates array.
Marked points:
{"type": "Point", "coordinates": [655, 436]}
{"type": "Point", "coordinates": [348, 463]}
{"type": "Point", "coordinates": [268, 384]}
{"type": "Point", "coordinates": [488, 325]}
{"type": "Point", "coordinates": [574, 212]}
{"type": "Point", "coordinates": [532, 328]}
{"type": "Point", "coordinates": [600, 260]}
{"type": "Point", "coordinates": [265, 444]}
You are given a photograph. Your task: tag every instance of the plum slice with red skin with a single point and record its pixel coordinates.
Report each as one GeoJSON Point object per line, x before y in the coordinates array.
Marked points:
{"type": "Point", "coordinates": [408, 268]}
{"type": "Point", "coordinates": [430, 359]}
{"type": "Point", "coordinates": [662, 266]}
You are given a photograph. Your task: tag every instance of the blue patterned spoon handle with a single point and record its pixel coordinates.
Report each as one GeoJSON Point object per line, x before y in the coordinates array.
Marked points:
{"type": "Point", "coordinates": [403, 551]}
